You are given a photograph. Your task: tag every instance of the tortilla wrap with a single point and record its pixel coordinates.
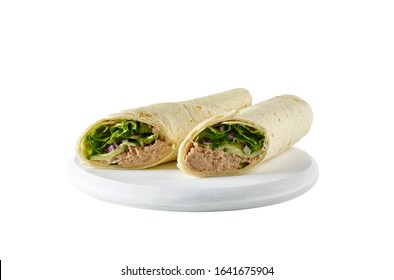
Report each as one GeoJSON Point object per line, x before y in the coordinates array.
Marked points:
{"type": "Point", "coordinates": [166, 123]}
{"type": "Point", "coordinates": [282, 121]}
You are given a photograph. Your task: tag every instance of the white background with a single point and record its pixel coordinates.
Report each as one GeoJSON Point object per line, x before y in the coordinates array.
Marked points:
{"type": "Point", "coordinates": [64, 64]}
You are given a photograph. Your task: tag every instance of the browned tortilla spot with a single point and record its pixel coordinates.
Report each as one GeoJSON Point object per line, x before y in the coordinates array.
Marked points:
{"type": "Point", "coordinates": [144, 115]}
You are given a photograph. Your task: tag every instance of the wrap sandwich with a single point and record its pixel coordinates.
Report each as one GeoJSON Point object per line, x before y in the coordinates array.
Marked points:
{"type": "Point", "coordinates": [233, 143]}
{"type": "Point", "coordinates": [147, 136]}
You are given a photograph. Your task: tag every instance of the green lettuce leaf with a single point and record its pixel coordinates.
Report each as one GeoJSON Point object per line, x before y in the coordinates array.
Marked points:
{"type": "Point", "coordinates": [235, 138]}
{"type": "Point", "coordinates": [125, 132]}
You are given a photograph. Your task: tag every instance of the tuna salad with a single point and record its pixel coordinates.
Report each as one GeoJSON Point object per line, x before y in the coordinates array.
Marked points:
{"type": "Point", "coordinates": [225, 147]}
{"type": "Point", "coordinates": [127, 143]}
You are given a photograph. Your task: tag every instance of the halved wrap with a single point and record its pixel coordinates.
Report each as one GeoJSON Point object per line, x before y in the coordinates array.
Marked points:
{"type": "Point", "coordinates": [234, 142]}
{"type": "Point", "coordinates": [147, 136]}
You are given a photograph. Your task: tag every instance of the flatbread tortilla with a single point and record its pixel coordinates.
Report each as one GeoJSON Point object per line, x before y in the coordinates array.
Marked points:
{"type": "Point", "coordinates": [169, 122]}
{"type": "Point", "coordinates": [283, 120]}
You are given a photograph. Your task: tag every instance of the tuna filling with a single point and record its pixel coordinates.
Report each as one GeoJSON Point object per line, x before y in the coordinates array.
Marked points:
{"type": "Point", "coordinates": [225, 147]}
{"type": "Point", "coordinates": [204, 159]}
{"type": "Point", "coordinates": [135, 156]}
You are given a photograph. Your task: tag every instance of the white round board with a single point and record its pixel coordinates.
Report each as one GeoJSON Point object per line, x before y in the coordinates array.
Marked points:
{"type": "Point", "coordinates": [165, 187]}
